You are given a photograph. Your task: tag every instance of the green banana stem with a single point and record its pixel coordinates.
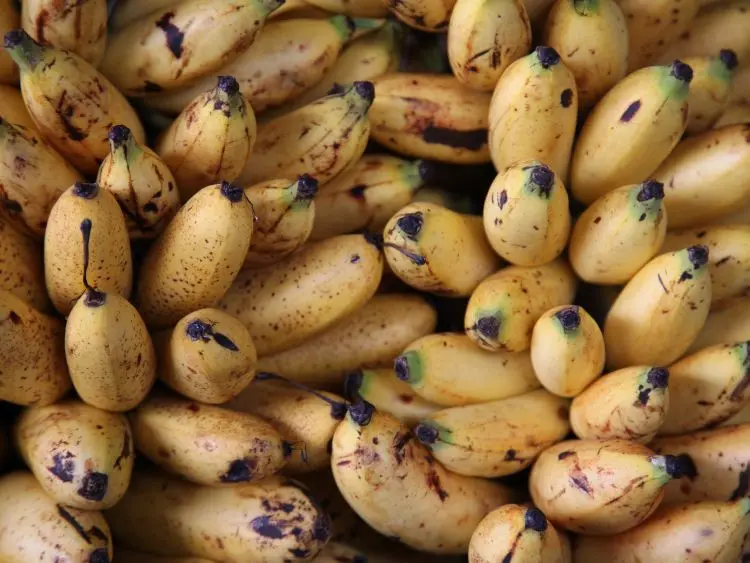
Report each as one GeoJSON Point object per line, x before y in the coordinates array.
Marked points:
{"type": "Point", "coordinates": [26, 52]}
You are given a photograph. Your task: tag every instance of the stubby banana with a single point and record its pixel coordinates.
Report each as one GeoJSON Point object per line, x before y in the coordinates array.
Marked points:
{"type": "Point", "coordinates": [356, 8]}
{"type": "Point", "coordinates": [484, 37]}
{"type": "Point", "coordinates": [10, 19]}
{"type": "Point", "coordinates": [631, 131]}
{"type": "Point", "coordinates": [709, 90]}
{"type": "Point", "coordinates": [533, 113]}
{"type": "Point", "coordinates": [22, 267]}
{"type": "Point", "coordinates": [398, 488]}
{"type": "Point", "coordinates": [619, 233]}
{"type": "Point", "coordinates": [72, 104]}
{"type": "Point", "coordinates": [728, 324]}
{"type": "Point", "coordinates": [13, 109]}
{"type": "Point", "coordinates": [504, 307]}
{"type": "Point", "coordinates": [627, 404]}
{"type": "Point", "coordinates": [734, 114]}
{"type": "Point", "coordinates": [425, 15]}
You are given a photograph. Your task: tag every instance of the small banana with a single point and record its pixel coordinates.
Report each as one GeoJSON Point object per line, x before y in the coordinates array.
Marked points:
{"type": "Point", "coordinates": [619, 233]}
{"type": "Point", "coordinates": [502, 310]}
{"type": "Point", "coordinates": [430, 116]}
{"type": "Point", "coordinates": [13, 109]}
{"type": "Point", "coordinates": [526, 216]}
{"type": "Point", "coordinates": [425, 15]}
{"type": "Point", "coordinates": [718, 157]}
{"type": "Point", "coordinates": [627, 404]}
{"type": "Point", "coordinates": [178, 44]}
{"type": "Point", "coordinates": [10, 19]}
{"type": "Point", "coordinates": [631, 131]}
{"type": "Point", "coordinates": [484, 37]}
{"type": "Point", "coordinates": [734, 114]}
{"type": "Point", "coordinates": [728, 324]}
{"type": "Point", "coordinates": [367, 195]}
{"type": "Point", "coordinates": [211, 140]}
{"type": "Point", "coordinates": [72, 104]}
{"type": "Point", "coordinates": [22, 267]}
{"type": "Point", "coordinates": [128, 11]}
{"type": "Point", "coordinates": [321, 139]}
{"type": "Point", "coordinates": [533, 113]}
{"type": "Point", "coordinates": [355, 8]}
{"type": "Point", "coordinates": [709, 90]}
{"type": "Point", "coordinates": [437, 250]}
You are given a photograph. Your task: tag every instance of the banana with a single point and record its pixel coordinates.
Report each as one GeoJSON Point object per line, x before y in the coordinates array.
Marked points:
{"type": "Point", "coordinates": [619, 233]}
{"type": "Point", "coordinates": [591, 37]}
{"type": "Point", "coordinates": [566, 484]}
{"type": "Point", "coordinates": [430, 116]}
{"type": "Point", "coordinates": [384, 391]}
{"type": "Point", "coordinates": [709, 90]}
{"type": "Point", "coordinates": [32, 177]}
{"type": "Point", "coordinates": [437, 250]}
{"type": "Point", "coordinates": [727, 324]}
{"type": "Point", "coordinates": [567, 350]}
{"type": "Point", "coordinates": [484, 38]}
{"type": "Point", "coordinates": [496, 438]}
{"type": "Point", "coordinates": [13, 109]}
{"type": "Point", "coordinates": [285, 213]}
{"type": "Point", "coordinates": [72, 104]}
{"type": "Point", "coordinates": [719, 459]}
{"type": "Point", "coordinates": [141, 182]}
{"type": "Point", "coordinates": [661, 310]}
{"type": "Point", "coordinates": [718, 157]}
{"type": "Point", "coordinates": [502, 310]}
{"type": "Point", "coordinates": [526, 216]}
{"type": "Point", "coordinates": [321, 139]}
{"type": "Point", "coordinates": [741, 417]}
{"type": "Point", "coordinates": [520, 533]}
{"type": "Point", "coordinates": [689, 533]}
{"type": "Point", "coordinates": [398, 488]}
{"type": "Point", "coordinates": [355, 8]}
{"type": "Point", "coordinates": [533, 113]}
{"type": "Point", "coordinates": [178, 44]}
{"type": "Point", "coordinates": [627, 404]}
{"type": "Point", "coordinates": [286, 303]}
{"type": "Point", "coordinates": [9, 19]}
{"type": "Point", "coordinates": [211, 140]}
{"type": "Point", "coordinates": [22, 267]}
{"type": "Point", "coordinates": [80, 27]}
{"type": "Point", "coordinates": [128, 11]}
{"type": "Point", "coordinates": [425, 15]}
{"type": "Point", "coordinates": [371, 337]}
{"type": "Point", "coordinates": [367, 195]}
{"type": "Point", "coordinates": [454, 201]}
{"type": "Point", "coordinates": [734, 114]}
{"type": "Point", "coordinates": [740, 92]}
{"type": "Point", "coordinates": [335, 552]}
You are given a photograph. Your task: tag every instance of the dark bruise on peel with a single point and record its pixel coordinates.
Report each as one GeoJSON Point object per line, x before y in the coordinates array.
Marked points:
{"type": "Point", "coordinates": [743, 485]}
{"type": "Point", "coordinates": [687, 466]}
{"type": "Point", "coordinates": [352, 384]}
{"type": "Point", "coordinates": [94, 486]}
{"type": "Point", "coordinates": [262, 525]}
{"type": "Point", "coordinates": [566, 98]}
{"type": "Point", "coordinates": [173, 34]}
{"type": "Point", "coordinates": [418, 259]}
{"type": "Point", "coordinates": [630, 111]}
{"type": "Point", "coordinates": [64, 467]}
{"type": "Point", "coordinates": [565, 454]}
{"type": "Point", "coordinates": [472, 140]}
{"type": "Point", "coordinates": [70, 519]}
{"type": "Point", "coordinates": [240, 471]}
{"type": "Point", "coordinates": [433, 482]}
{"type": "Point", "coordinates": [399, 444]}
{"type": "Point", "coordinates": [99, 555]}
{"type": "Point", "coordinates": [94, 298]}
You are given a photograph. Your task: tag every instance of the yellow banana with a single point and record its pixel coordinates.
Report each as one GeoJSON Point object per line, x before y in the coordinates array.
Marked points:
{"type": "Point", "coordinates": [526, 216]}
{"type": "Point", "coordinates": [592, 39]}
{"type": "Point", "coordinates": [533, 113]}
{"type": "Point", "coordinates": [734, 114]}
{"type": "Point", "coordinates": [398, 488]}
{"type": "Point", "coordinates": [455, 201]}
{"type": "Point", "coordinates": [13, 109]}
{"type": "Point", "coordinates": [430, 116]}
{"type": "Point", "coordinates": [727, 324]}
{"type": "Point", "coordinates": [9, 19]}
{"type": "Point", "coordinates": [661, 310]}
{"type": "Point", "coordinates": [72, 104]}
{"type": "Point", "coordinates": [128, 11]}
{"type": "Point", "coordinates": [484, 37]}
{"type": "Point", "coordinates": [22, 267]}
{"type": "Point", "coordinates": [502, 310]}
{"type": "Point", "coordinates": [619, 233]}
{"type": "Point", "coordinates": [741, 417]}
{"type": "Point", "coordinates": [425, 15]}
{"type": "Point", "coordinates": [627, 404]}
{"type": "Point", "coordinates": [709, 90]}
{"type": "Point", "coordinates": [321, 139]}
{"type": "Point", "coordinates": [367, 195]}
{"type": "Point", "coordinates": [371, 337]}
{"type": "Point", "coordinates": [356, 8]}
{"type": "Point", "coordinates": [718, 157]}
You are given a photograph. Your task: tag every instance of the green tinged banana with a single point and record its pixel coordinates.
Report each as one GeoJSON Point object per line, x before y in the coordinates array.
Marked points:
{"type": "Point", "coordinates": [727, 324]}
{"type": "Point", "coordinates": [9, 19]}
{"type": "Point", "coordinates": [734, 114]}
{"type": "Point", "coordinates": [425, 15]}
{"type": "Point", "coordinates": [631, 131]}
{"type": "Point", "coordinates": [709, 90]}
{"type": "Point", "coordinates": [22, 267]}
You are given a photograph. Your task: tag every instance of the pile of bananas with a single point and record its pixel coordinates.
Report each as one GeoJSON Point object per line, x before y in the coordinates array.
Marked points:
{"type": "Point", "coordinates": [375, 280]}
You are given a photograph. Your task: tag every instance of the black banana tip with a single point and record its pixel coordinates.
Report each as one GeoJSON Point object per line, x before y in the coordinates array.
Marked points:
{"type": "Point", "coordinates": [336, 90]}
{"type": "Point", "coordinates": [228, 85]}
{"type": "Point", "coordinates": [401, 367]}
{"type": "Point", "coordinates": [352, 384]}
{"type": "Point", "coordinates": [286, 448]}
{"type": "Point", "coordinates": [119, 135]}
{"type": "Point", "coordinates": [197, 330]}
{"type": "Point", "coordinates": [231, 192]}
{"type": "Point", "coordinates": [86, 190]}
{"type": "Point", "coordinates": [535, 520]}
{"type": "Point", "coordinates": [361, 412]}
{"type": "Point", "coordinates": [570, 318]}
{"type": "Point", "coordinates": [729, 58]}
{"type": "Point", "coordinates": [375, 239]}
{"type": "Point", "coordinates": [658, 377]}
{"type": "Point", "coordinates": [547, 56]}
{"type": "Point", "coordinates": [94, 298]}
{"type": "Point", "coordinates": [14, 38]}
{"type": "Point", "coordinates": [678, 466]}
{"type": "Point", "coordinates": [99, 555]}
{"type": "Point", "coordinates": [426, 433]}
{"type": "Point", "coordinates": [411, 224]}
{"type": "Point", "coordinates": [650, 189]}
{"type": "Point", "coordinates": [307, 187]}
{"type": "Point", "coordinates": [682, 71]}
{"type": "Point", "coordinates": [489, 327]}
{"type": "Point", "coordinates": [365, 90]}
{"type": "Point", "coordinates": [698, 255]}
{"type": "Point", "coordinates": [426, 171]}
{"type": "Point", "coordinates": [542, 176]}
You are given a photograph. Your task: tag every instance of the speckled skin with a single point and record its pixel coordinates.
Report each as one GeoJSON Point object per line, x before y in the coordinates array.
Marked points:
{"type": "Point", "coordinates": [387, 393]}
{"type": "Point", "coordinates": [12, 107]}
{"type": "Point", "coordinates": [22, 267]}
{"type": "Point", "coordinates": [286, 303]}
{"type": "Point", "coordinates": [195, 260]}
{"type": "Point", "coordinates": [38, 529]}
{"type": "Point", "coordinates": [10, 19]}
{"type": "Point", "coordinates": [82, 456]}
{"type": "Point", "coordinates": [32, 354]}
{"type": "Point", "coordinates": [267, 522]}
{"type": "Point", "coordinates": [110, 354]}
{"type": "Point", "coordinates": [709, 92]}
{"type": "Point", "coordinates": [427, 15]}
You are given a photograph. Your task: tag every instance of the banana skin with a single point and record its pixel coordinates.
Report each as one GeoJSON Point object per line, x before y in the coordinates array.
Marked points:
{"type": "Point", "coordinates": [727, 324]}
{"type": "Point", "coordinates": [426, 15]}
{"type": "Point", "coordinates": [22, 268]}
{"type": "Point", "coordinates": [709, 89]}
{"type": "Point", "coordinates": [10, 19]}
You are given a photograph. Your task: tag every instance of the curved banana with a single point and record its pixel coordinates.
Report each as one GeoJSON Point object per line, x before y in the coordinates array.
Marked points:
{"type": "Point", "coordinates": [13, 109]}
{"type": "Point", "coordinates": [22, 268]}
{"type": "Point", "coordinates": [728, 324]}
{"type": "Point", "coordinates": [425, 15]}
{"type": "Point", "coordinates": [430, 116]}
{"type": "Point", "coordinates": [533, 113]}
{"type": "Point", "coordinates": [627, 404]}
{"type": "Point", "coordinates": [9, 19]}
{"type": "Point", "coordinates": [355, 8]}
{"type": "Point", "coordinates": [709, 90]}
{"type": "Point", "coordinates": [503, 308]}
{"type": "Point", "coordinates": [72, 104]}
{"type": "Point", "coordinates": [734, 114]}
{"type": "Point", "coordinates": [484, 37]}
{"type": "Point", "coordinates": [619, 233]}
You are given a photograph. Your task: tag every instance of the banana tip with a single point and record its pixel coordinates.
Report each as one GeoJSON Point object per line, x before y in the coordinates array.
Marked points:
{"type": "Point", "coordinates": [86, 190]}
{"type": "Point", "coordinates": [14, 38]}
{"type": "Point", "coordinates": [658, 377]}
{"type": "Point", "coordinates": [198, 330]}
{"type": "Point", "coordinates": [682, 71]}
{"type": "Point", "coordinates": [651, 189]}
{"type": "Point", "coordinates": [426, 433]}
{"type": "Point", "coordinates": [488, 327]}
{"type": "Point", "coordinates": [401, 368]}
{"type": "Point", "coordinates": [535, 520]}
{"type": "Point", "coordinates": [728, 58]}
{"type": "Point", "coordinates": [570, 318]}
{"type": "Point", "coordinates": [336, 90]}
{"type": "Point", "coordinates": [411, 224]}
{"type": "Point", "coordinates": [365, 90]}
{"type": "Point", "coordinates": [228, 85]}
{"type": "Point", "coordinates": [542, 176]}
{"type": "Point", "coordinates": [231, 192]}
{"type": "Point", "coordinates": [307, 187]}
{"type": "Point", "coordinates": [680, 466]}
{"type": "Point", "coordinates": [375, 239]}
{"type": "Point", "coordinates": [426, 171]}
{"type": "Point", "coordinates": [352, 384]}
{"type": "Point", "coordinates": [119, 135]}
{"type": "Point", "coordinates": [698, 255]}
{"type": "Point", "coordinates": [361, 412]}
{"type": "Point", "coordinates": [547, 56]}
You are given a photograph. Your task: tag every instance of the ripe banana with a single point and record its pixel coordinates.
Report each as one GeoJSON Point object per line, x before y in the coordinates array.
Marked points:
{"type": "Point", "coordinates": [72, 104]}
{"type": "Point", "coordinates": [437, 250]}
{"type": "Point", "coordinates": [533, 113]}
{"type": "Point", "coordinates": [619, 233]}
{"type": "Point", "coordinates": [430, 116]}
{"type": "Point", "coordinates": [355, 8]}
{"type": "Point", "coordinates": [502, 310]}
{"type": "Point", "coordinates": [211, 140]}
{"type": "Point", "coordinates": [734, 114]}
{"type": "Point", "coordinates": [322, 139]}
{"type": "Point", "coordinates": [727, 324]}
{"type": "Point", "coordinates": [425, 15]}
{"type": "Point", "coordinates": [9, 19]}
{"type": "Point", "coordinates": [627, 404]}
{"type": "Point", "coordinates": [367, 195]}
{"type": "Point", "coordinates": [526, 216]}
{"type": "Point", "coordinates": [22, 267]}
{"type": "Point", "coordinates": [398, 488]}
{"type": "Point", "coordinates": [484, 37]}
{"type": "Point", "coordinates": [455, 201]}
{"type": "Point", "coordinates": [13, 109]}
{"type": "Point", "coordinates": [592, 39]}
{"type": "Point", "coordinates": [371, 337]}
{"type": "Point", "coordinates": [709, 90]}
{"type": "Point", "coordinates": [660, 311]}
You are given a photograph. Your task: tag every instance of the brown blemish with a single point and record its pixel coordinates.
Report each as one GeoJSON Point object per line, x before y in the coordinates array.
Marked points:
{"type": "Point", "coordinates": [173, 34]}
{"type": "Point", "coordinates": [433, 482]}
